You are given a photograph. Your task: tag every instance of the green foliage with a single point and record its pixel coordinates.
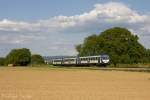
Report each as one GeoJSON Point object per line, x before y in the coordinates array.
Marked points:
{"type": "Point", "coordinates": [78, 47]}
{"type": "Point", "coordinates": [146, 57]}
{"type": "Point", "coordinates": [2, 61]}
{"type": "Point", "coordinates": [19, 57]}
{"type": "Point", "coordinates": [37, 59]}
{"type": "Point", "coordinates": [119, 43]}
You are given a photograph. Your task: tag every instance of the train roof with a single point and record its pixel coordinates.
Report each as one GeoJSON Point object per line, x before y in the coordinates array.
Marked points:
{"type": "Point", "coordinates": [56, 59]}
{"type": "Point", "coordinates": [75, 57]}
{"type": "Point", "coordinates": [90, 56]}
{"type": "Point", "coordinates": [71, 58]}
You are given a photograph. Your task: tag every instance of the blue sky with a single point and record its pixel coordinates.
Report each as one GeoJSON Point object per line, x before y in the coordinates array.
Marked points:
{"type": "Point", "coordinates": [54, 27]}
{"type": "Point", "coordinates": [42, 9]}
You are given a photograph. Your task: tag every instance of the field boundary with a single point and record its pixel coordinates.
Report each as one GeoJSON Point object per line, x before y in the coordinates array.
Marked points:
{"type": "Point", "coordinates": [105, 69]}
{"type": "Point", "coordinates": [63, 68]}
{"type": "Point", "coordinates": [127, 69]}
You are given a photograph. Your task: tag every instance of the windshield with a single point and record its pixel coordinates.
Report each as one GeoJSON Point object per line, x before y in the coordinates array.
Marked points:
{"type": "Point", "coordinates": [105, 57]}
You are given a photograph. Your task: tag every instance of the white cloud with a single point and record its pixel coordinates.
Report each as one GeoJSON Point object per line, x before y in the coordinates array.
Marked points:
{"type": "Point", "coordinates": [101, 17]}
{"type": "Point", "coordinates": [111, 12]}
{"type": "Point", "coordinates": [18, 39]}
{"type": "Point", "coordinates": [7, 25]}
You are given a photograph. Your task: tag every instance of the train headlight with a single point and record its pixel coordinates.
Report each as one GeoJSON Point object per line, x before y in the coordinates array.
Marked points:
{"type": "Point", "coordinates": [105, 61]}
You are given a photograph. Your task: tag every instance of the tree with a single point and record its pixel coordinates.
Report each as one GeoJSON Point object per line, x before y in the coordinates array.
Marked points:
{"type": "Point", "coordinates": [146, 57]}
{"type": "Point", "coordinates": [119, 43]}
{"type": "Point", "coordinates": [2, 61]}
{"type": "Point", "coordinates": [90, 46]}
{"type": "Point", "coordinates": [78, 48]}
{"type": "Point", "coordinates": [19, 57]}
{"type": "Point", "coordinates": [37, 59]}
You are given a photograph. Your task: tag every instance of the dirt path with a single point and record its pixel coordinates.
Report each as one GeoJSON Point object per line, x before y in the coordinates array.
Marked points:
{"type": "Point", "coordinates": [73, 85]}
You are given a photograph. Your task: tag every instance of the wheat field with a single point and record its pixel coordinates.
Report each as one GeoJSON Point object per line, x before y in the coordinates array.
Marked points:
{"type": "Point", "coordinates": [47, 84]}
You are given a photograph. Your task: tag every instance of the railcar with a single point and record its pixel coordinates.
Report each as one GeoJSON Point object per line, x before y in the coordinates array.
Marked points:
{"type": "Point", "coordinates": [57, 61]}
{"type": "Point", "coordinates": [87, 60]}
{"type": "Point", "coordinates": [69, 61]}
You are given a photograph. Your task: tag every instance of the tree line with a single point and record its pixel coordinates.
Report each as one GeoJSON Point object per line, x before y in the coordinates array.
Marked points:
{"type": "Point", "coordinates": [119, 43]}
{"type": "Point", "coordinates": [21, 57]}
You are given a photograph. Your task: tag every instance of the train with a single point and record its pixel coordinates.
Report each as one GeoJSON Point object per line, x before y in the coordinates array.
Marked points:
{"type": "Point", "coordinates": [98, 60]}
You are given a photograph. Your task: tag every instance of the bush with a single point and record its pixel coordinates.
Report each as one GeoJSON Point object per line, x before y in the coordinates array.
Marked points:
{"type": "Point", "coordinates": [2, 61]}
{"type": "Point", "coordinates": [37, 59]}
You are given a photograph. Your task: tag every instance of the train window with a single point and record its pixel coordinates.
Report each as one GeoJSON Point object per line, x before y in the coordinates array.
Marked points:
{"type": "Point", "coordinates": [104, 57]}
{"type": "Point", "coordinates": [86, 59]}
{"type": "Point", "coordinates": [94, 58]}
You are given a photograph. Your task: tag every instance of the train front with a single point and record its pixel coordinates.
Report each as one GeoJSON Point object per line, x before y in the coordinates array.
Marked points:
{"type": "Point", "coordinates": [105, 59]}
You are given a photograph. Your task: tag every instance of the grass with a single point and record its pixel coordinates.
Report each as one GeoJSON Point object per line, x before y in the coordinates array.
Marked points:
{"type": "Point", "coordinates": [120, 67]}
{"type": "Point", "coordinates": [46, 67]}
{"type": "Point", "coordinates": [139, 65]}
